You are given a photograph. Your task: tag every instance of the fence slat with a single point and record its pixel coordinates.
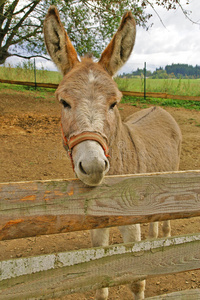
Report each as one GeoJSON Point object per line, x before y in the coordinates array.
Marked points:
{"type": "Point", "coordinates": [45, 207]}
{"type": "Point", "coordinates": [56, 275]}
{"type": "Point", "coordinates": [182, 295]}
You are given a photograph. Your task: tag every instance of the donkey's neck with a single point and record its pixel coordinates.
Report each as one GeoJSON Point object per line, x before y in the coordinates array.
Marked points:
{"type": "Point", "coordinates": [123, 156]}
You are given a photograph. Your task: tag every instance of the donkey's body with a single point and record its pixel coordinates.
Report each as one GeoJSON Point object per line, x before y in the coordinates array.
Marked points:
{"type": "Point", "coordinates": [148, 141]}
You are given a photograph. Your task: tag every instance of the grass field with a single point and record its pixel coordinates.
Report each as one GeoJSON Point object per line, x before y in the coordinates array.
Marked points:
{"type": "Point", "coordinates": [26, 73]}
{"type": "Point", "coordinates": [135, 101]}
{"type": "Point", "coordinates": [186, 87]}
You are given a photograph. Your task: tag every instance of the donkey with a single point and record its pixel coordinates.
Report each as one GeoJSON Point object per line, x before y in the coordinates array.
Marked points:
{"type": "Point", "coordinates": [148, 141]}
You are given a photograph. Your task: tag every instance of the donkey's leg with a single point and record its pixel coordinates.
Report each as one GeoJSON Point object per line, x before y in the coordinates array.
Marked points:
{"type": "Point", "coordinates": [153, 230]}
{"type": "Point", "coordinates": [100, 237]}
{"type": "Point", "coordinates": [132, 233]}
{"type": "Point", "coordinates": [166, 228]}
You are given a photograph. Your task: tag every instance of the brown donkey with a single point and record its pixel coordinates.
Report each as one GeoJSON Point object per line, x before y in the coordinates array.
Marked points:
{"type": "Point", "coordinates": [148, 141]}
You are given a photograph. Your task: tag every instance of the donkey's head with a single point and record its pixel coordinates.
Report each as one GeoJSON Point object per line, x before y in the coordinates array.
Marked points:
{"type": "Point", "coordinates": [88, 95]}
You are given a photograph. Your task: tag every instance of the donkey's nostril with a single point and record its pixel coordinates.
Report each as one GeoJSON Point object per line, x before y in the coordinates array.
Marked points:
{"type": "Point", "coordinates": [106, 164]}
{"type": "Point", "coordinates": [93, 166]}
{"type": "Point", "coordinates": [81, 168]}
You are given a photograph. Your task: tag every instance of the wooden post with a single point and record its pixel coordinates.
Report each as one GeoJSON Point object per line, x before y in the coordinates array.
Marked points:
{"type": "Point", "coordinates": [35, 74]}
{"type": "Point", "coordinates": [145, 75]}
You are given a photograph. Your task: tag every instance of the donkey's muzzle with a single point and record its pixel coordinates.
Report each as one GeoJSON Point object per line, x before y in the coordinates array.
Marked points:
{"type": "Point", "coordinates": [90, 162]}
{"type": "Point", "coordinates": [95, 165]}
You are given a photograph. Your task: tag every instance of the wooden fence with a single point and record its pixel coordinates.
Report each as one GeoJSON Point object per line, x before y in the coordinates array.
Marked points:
{"type": "Point", "coordinates": [125, 93]}
{"type": "Point", "coordinates": [161, 95]}
{"type": "Point", "coordinates": [28, 83]}
{"type": "Point", "coordinates": [45, 207]}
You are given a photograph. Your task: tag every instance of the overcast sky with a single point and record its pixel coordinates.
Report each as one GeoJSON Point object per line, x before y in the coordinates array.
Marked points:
{"type": "Point", "coordinates": [177, 42]}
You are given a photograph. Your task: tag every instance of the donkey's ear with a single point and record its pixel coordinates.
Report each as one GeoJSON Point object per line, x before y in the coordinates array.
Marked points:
{"type": "Point", "coordinates": [121, 45]}
{"type": "Point", "coordinates": [58, 43]}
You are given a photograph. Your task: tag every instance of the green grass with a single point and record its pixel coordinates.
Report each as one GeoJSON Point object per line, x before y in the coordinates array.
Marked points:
{"type": "Point", "coordinates": [188, 87]}
{"type": "Point", "coordinates": [27, 74]}
{"type": "Point", "coordinates": [135, 101]}
{"type": "Point", "coordinates": [184, 87]}
{"type": "Point", "coordinates": [24, 88]}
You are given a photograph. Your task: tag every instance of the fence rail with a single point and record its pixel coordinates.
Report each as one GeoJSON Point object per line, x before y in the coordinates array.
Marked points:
{"type": "Point", "coordinates": [45, 207]}
{"type": "Point", "coordinates": [27, 83]}
{"type": "Point", "coordinates": [160, 95]}
{"type": "Point", "coordinates": [181, 295]}
{"type": "Point", "coordinates": [125, 93]}
{"type": "Point", "coordinates": [56, 275]}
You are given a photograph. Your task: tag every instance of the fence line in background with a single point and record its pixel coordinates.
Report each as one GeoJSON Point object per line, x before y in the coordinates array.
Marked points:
{"type": "Point", "coordinates": [160, 95]}
{"type": "Point", "coordinates": [125, 93]}
{"type": "Point", "coordinates": [45, 85]}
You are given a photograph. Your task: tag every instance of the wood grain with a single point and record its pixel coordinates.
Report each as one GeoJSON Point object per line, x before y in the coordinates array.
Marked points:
{"type": "Point", "coordinates": [56, 275]}
{"type": "Point", "coordinates": [45, 207]}
{"type": "Point", "coordinates": [182, 295]}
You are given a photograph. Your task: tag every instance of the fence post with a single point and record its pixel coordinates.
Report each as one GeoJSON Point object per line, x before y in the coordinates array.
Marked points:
{"type": "Point", "coordinates": [145, 73]}
{"type": "Point", "coordinates": [35, 75]}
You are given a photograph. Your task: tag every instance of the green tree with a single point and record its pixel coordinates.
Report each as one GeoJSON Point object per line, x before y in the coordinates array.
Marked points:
{"type": "Point", "coordinates": [89, 23]}
{"type": "Point", "coordinates": [183, 70]}
{"type": "Point", "coordinates": [160, 74]}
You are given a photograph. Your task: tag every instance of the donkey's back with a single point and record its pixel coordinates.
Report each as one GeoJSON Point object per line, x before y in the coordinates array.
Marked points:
{"type": "Point", "coordinates": [157, 139]}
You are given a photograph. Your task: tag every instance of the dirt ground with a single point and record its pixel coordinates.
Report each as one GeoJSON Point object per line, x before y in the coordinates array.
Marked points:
{"type": "Point", "coordinates": [31, 149]}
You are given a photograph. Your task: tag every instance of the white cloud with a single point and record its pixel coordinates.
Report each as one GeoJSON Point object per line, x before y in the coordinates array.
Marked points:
{"type": "Point", "coordinates": [177, 42]}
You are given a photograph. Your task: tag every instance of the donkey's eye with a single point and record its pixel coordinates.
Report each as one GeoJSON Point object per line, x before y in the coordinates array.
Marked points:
{"type": "Point", "coordinates": [113, 105]}
{"type": "Point", "coordinates": [65, 104]}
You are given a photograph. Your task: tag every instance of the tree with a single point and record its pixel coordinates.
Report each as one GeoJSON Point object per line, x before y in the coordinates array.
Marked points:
{"type": "Point", "coordinates": [160, 74]}
{"type": "Point", "coordinates": [183, 70]}
{"type": "Point", "coordinates": [89, 23]}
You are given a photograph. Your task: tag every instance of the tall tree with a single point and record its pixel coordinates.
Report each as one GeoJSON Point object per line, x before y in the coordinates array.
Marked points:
{"type": "Point", "coordinates": [89, 23]}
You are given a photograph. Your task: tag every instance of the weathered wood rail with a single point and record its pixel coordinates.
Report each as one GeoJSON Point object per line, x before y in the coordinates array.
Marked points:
{"type": "Point", "coordinates": [125, 93]}
{"type": "Point", "coordinates": [45, 207]}
{"type": "Point", "coordinates": [56, 275]}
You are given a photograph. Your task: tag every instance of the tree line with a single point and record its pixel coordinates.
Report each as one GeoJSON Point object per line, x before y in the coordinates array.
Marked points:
{"type": "Point", "coordinates": [169, 71]}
